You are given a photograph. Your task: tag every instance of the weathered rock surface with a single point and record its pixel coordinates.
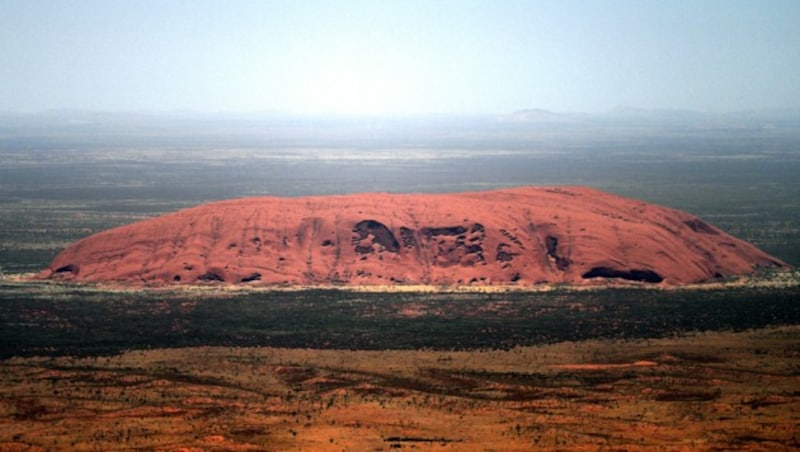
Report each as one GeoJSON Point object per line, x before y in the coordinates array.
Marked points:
{"type": "Point", "coordinates": [523, 236]}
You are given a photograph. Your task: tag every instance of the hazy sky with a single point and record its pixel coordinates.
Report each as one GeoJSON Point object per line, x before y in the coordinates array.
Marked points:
{"type": "Point", "coordinates": [404, 56]}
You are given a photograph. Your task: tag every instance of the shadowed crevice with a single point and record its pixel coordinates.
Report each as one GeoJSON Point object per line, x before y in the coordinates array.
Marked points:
{"type": "Point", "coordinates": [700, 226]}
{"type": "Point", "coordinates": [252, 277]}
{"type": "Point", "coordinates": [210, 277]}
{"type": "Point", "coordinates": [446, 231]}
{"type": "Point", "coordinates": [647, 276]}
{"type": "Point", "coordinates": [381, 235]}
{"type": "Point", "coordinates": [551, 243]}
{"type": "Point", "coordinates": [67, 269]}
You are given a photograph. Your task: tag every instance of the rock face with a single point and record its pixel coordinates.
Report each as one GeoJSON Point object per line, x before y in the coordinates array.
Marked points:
{"type": "Point", "coordinates": [521, 236]}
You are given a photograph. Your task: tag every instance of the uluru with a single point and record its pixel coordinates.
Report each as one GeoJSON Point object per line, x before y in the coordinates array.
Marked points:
{"type": "Point", "coordinates": [522, 236]}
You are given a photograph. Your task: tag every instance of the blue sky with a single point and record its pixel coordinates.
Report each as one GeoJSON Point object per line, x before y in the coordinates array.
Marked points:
{"type": "Point", "coordinates": [398, 57]}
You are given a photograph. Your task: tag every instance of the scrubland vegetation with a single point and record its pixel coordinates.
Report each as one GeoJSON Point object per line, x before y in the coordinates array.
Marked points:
{"type": "Point", "coordinates": [701, 391]}
{"type": "Point", "coordinates": [84, 320]}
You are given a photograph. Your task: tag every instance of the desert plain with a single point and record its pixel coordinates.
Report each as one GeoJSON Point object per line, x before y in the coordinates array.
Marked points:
{"type": "Point", "coordinates": [704, 391]}
{"type": "Point", "coordinates": [712, 366]}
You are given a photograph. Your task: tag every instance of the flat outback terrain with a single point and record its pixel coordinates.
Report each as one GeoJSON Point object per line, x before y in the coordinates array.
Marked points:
{"type": "Point", "coordinates": [704, 368]}
{"type": "Point", "coordinates": [705, 391]}
{"type": "Point", "coordinates": [152, 299]}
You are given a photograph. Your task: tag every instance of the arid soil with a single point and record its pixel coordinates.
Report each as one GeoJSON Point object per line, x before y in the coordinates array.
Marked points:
{"type": "Point", "coordinates": [523, 236]}
{"type": "Point", "coordinates": [714, 391]}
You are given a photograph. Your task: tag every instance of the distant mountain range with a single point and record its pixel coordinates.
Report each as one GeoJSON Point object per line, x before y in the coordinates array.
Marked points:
{"type": "Point", "coordinates": [90, 128]}
{"type": "Point", "coordinates": [632, 115]}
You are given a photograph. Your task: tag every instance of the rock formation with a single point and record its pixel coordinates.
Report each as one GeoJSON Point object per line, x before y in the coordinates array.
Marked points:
{"type": "Point", "coordinates": [522, 236]}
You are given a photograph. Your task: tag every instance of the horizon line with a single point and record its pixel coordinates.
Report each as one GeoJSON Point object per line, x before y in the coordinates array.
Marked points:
{"type": "Point", "coordinates": [179, 112]}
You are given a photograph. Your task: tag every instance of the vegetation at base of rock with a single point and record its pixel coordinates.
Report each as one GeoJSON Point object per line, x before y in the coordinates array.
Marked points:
{"type": "Point", "coordinates": [42, 319]}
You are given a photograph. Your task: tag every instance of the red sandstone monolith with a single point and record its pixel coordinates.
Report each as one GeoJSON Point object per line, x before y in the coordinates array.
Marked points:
{"type": "Point", "coordinates": [523, 236]}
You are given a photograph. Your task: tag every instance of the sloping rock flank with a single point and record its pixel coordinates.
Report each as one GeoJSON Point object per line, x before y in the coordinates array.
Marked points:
{"type": "Point", "coordinates": [523, 236]}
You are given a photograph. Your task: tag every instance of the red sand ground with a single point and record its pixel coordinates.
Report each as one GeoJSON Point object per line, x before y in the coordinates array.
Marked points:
{"type": "Point", "coordinates": [525, 236]}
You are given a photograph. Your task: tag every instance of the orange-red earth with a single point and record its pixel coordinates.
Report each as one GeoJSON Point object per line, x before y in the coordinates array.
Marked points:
{"type": "Point", "coordinates": [523, 236]}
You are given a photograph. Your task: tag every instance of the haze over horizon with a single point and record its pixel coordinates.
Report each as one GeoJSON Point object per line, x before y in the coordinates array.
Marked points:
{"type": "Point", "coordinates": [386, 58]}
